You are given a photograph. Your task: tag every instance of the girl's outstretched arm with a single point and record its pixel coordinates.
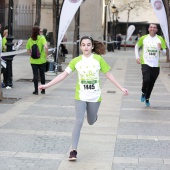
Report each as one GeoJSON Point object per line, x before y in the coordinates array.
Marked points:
{"type": "Point", "coordinates": [56, 80]}
{"type": "Point", "coordinates": [113, 80]}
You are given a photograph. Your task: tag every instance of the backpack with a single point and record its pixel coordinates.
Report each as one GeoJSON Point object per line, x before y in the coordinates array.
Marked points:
{"type": "Point", "coordinates": [35, 53]}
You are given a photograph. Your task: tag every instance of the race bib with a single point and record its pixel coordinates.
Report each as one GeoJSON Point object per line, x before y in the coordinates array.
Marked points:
{"type": "Point", "coordinates": [151, 53]}
{"type": "Point", "coordinates": [89, 85]}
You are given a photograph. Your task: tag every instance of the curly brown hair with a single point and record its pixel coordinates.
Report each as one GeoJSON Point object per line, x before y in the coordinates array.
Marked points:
{"type": "Point", "coordinates": [98, 47]}
{"type": "Point", "coordinates": [35, 32]}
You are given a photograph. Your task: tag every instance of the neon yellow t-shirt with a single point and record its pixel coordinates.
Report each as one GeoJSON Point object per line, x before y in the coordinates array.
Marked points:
{"type": "Point", "coordinates": [41, 41]}
{"type": "Point", "coordinates": [4, 41]}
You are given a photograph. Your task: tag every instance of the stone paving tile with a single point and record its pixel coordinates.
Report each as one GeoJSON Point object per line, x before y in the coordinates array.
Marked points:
{"type": "Point", "coordinates": [142, 148]}
{"type": "Point", "coordinates": [145, 114]}
{"type": "Point", "coordinates": [136, 97]}
{"type": "Point", "coordinates": [17, 89]}
{"type": "Point", "coordinates": [157, 89]}
{"type": "Point", "coordinates": [64, 92]}
{"type": "Point", "coordinates": [140, 167]}
{"type": "Point", "coordinates": [138, 83]}
{"type": "Point", "coordinates": [132, 83]}
{"type": "Point", "coordinates": [133, 79]}
{"type": "Point", "coordinates": [155, 104]}
{"type": "Point", "coordinates": [58, 100]}
{"type": "Point", "coordinates": [41, 124]}
{"type": "Point", "coordinates": [28, 164]}
{"type": "Point", "coordinates": [5, 107]}
{"type": "Point", "coordinates": [50, 111]}
{"type": "Point", "coordinates": [152, 129]}
{"type": "Point", "coordinates": [35, 143]}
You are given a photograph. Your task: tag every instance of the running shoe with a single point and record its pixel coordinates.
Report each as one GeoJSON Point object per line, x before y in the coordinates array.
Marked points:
{"type": "Point", "coordinates": [43, 91]}
{"type": "Point", "coordinates": [73, 155]}
{"type": "Point", "coordinates": [142, 99]}
{"type": "Point", "coordinates": [147, 103]}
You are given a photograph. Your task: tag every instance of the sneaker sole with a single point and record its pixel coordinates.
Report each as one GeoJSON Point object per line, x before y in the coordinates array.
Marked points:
{"type": "Point", "coordinates": [72, 159]}
{"type": "Point", "coordinates": [147, 105]}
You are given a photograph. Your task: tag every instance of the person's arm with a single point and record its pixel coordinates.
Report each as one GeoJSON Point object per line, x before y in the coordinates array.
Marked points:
{"type": "Point", "coordinates": [56, 80]}
{"type": "Point", "coordinates": [163, 51]}
{"type": "Point", "coordinates": [28, 47]}
{"type": "Point", "coordinates": [46, 50]}
{"type": "Point", "coordinates": [113, 80]}
{"type": "Point", "coordinates": [137, 54]}
{"type": "Point", "coordinates": [45, 46]}
{"type": "Point", "coordinates": [29, 52]}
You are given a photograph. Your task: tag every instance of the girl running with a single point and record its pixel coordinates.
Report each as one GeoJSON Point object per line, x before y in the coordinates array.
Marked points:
{"type": "Point", "coordinates": [88, 92]}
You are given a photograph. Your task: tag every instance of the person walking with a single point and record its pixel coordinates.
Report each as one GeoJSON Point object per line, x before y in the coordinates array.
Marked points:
{"type": "Point", "coordinates": [38, 63]}
{"type": "Point", "coordinates": [152, 44]}
{"type": "Point", "coordinates": [137, 38]}
{"type": "Point", "coordinates": [88, 92]}
{"type": "Point", "coordinates": [63, 48]}
{"type": "Point", "coordinates": [4, 40]}
{"type": "Point", "coordinates": [4, 49]}
{"type": "Point", "coordinates": [119, 40]}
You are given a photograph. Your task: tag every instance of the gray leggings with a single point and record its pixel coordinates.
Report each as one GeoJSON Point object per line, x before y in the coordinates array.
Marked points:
{"type": "Point", "coordinates": [81, 107]}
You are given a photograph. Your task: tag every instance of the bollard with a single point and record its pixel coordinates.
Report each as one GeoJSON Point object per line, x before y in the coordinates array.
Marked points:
{"type": "Point", "coordinates": [8, 73]}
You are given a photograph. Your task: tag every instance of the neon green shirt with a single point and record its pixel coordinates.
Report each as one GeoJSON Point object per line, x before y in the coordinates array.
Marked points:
{"type": "Point", "coordinates": [4, 41]}
{"type": "Point", "coordinates": [88, 83]}
{"type": "Point", "coordinates": [41, 41]}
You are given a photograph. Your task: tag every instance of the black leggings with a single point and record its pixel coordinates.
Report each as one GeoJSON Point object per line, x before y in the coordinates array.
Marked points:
{"type": "Point", "coordinates": [150, 74]}
{"type": "Point", "coordinates": [41, 68]}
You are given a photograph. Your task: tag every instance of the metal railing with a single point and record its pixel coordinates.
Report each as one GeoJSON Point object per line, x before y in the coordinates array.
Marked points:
{"type": "Point", "coordinates": [22, 20]}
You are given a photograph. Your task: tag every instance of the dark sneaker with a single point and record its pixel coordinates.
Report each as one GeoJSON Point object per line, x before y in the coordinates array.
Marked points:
{"type": "Point", "coordinates": [142, 99]}
{"type": "Point", "coordinates": [147, 103]}
{"type": "Point", "coordinates": [43, 91]}
{"type": "Point", "coordinates": [34, 92]}
{"type": "Point", "coordinates": [73, 155]}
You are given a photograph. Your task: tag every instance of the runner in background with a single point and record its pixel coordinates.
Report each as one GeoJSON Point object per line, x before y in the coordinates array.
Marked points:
{"type": "Point", "coordinates": [152, 44]}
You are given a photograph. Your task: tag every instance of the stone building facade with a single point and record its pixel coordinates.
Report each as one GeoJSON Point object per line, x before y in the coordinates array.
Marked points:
{"type": "Point", "coordinates": [140, 17]}
{"type": "Point", "coordinates": [92, 16]}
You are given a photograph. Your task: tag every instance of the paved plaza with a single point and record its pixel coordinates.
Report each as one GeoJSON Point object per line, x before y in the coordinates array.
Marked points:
{"type": "Point", "coordinates": [35, 131]}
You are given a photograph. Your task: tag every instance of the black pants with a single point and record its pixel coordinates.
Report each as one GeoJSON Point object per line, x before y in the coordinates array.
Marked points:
{"type": "Point", "coordinates": [41, 69]}
{"type": "Point", "coordinates": [3, 71]}
{"type": "Point", "coordinates": [118, 46]}
{"type": "Point", "coordinates": [150, 74]}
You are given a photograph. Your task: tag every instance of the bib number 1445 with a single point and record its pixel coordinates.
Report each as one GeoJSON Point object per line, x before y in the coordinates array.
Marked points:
{"type": "Point", "coordinates": [89, 86]}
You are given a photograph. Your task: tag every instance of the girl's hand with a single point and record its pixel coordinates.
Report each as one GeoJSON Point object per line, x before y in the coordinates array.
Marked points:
{"type": "Point", "coordinates": [41, 87]}
{"type": "Point", "coordinates": [125, 91]}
